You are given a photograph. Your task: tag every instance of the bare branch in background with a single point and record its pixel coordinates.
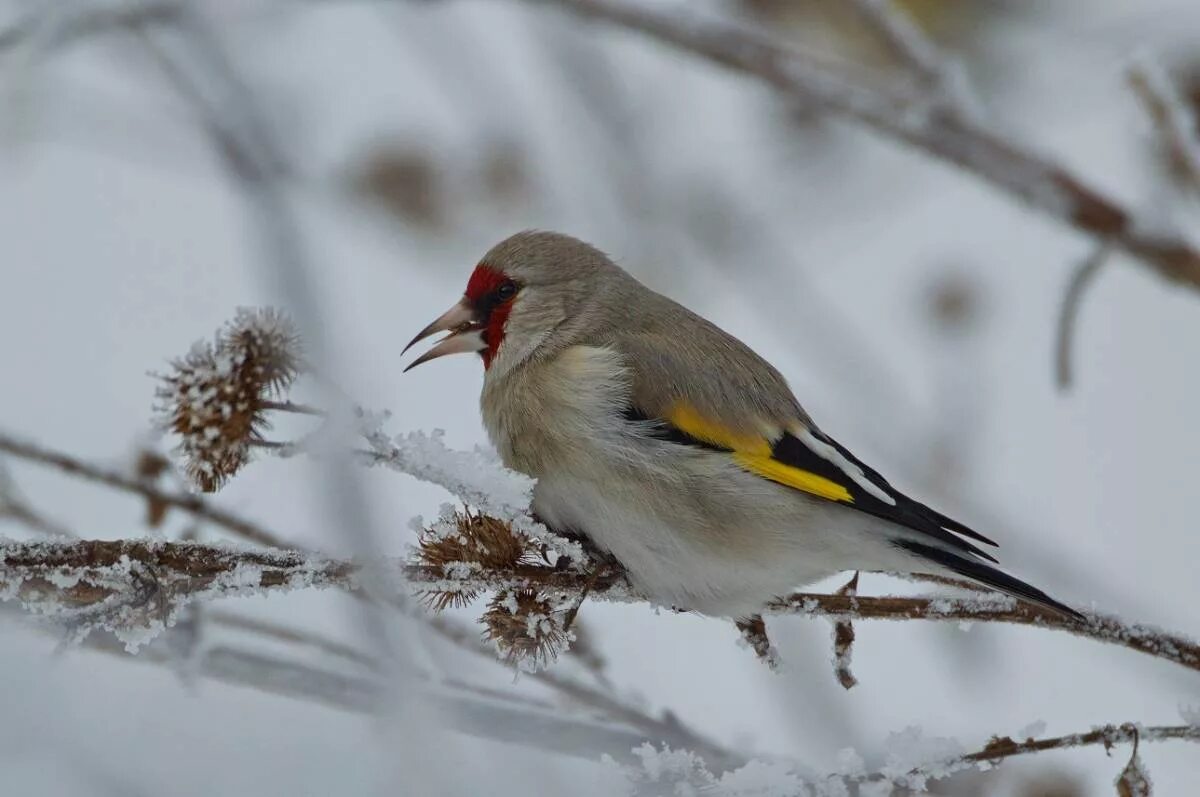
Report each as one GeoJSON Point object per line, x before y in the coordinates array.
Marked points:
{"type": "Point", "coordinates": [85, 21]}
{"type": "Point", "coordinates": [1068, 315]}
{"type": "Point", "coordinates": [15, 506]}
{"type": "Point", "coordinates": [912, 49]}
{"type": "Point", "coordinates": [192, 504]}
{"type": "Point", "coordinates": [1006, 163]}
{"type": "Point", "coordinates": [1174, 120]}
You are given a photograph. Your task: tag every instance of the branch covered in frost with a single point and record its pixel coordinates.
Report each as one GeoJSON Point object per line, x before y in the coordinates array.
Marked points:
{"type": "Point", "coordinates": [139, 583]}
{"type": "Point", "coordinates": [137, 587]}
{"type": "Point", "coordinates": [1002, 747]}
{"type": "Point", "coordinates": [476, 477]}
{"type": "Point", "coordinates": [913, 762]}
{"type": "Point", "coordinates": [1005, 162]}
{"type": "Point", "coordinates": [996, 608]}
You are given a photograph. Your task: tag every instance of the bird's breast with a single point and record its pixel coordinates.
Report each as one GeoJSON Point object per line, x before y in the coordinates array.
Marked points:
{"type": "Point", "coordinates": [554, 414]}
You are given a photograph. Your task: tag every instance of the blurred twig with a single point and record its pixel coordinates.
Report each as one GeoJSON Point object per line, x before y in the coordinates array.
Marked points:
{"type": "Point", "coordinates": [912, 49]}
{"type": "Point", "coordinates": [467, 709]}
{"type": "Point", "coordinates": [192, 504]}
{"type": "Point", "coordinates": [15, 506]}
{"type": "Point", "coordinates": [1081, 279]}
{"type": "Point", "coordinates": [87, 20]}
{"type": "Point", "coordinates": [1173, 118]}
{"type": "Point", "coordinates": [1005, 162]}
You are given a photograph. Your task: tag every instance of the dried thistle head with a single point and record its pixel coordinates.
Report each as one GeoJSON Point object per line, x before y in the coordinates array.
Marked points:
{"type": "Point", "coordinates": [525, 628]}
{"type": "Point", "coordinates": [214, 397]}
{"type": "Point", "coordinates": [266, 344]}
{"type": "Point", "coordinates": [471, 541]}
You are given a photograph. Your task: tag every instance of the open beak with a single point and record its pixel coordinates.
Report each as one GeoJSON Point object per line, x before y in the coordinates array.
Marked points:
{"type": "Point", "coordinates": [466, 334]}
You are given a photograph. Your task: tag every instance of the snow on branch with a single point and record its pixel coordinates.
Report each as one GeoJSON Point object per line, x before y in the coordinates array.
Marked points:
{"type": "Point", "coordinates": [913, 761]}
{"type": "Point", "coordinates": [137, 586]}
{"type": "Point", "coordinates": [920, 121]}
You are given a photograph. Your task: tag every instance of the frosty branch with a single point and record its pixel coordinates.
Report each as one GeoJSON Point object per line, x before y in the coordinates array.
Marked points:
{"type": "Point", "coordinates": [689, 774]}
{"type": "Point", "coordinates": [116, 583]}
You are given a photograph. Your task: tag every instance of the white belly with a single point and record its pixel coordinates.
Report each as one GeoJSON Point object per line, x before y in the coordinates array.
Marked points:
{"type": "Point", "coordinates": [680, 564]}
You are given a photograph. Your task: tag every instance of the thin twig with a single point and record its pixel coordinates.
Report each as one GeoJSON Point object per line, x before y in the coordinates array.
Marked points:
{"type": "Point", "coordinates": [1068, 314]}
{"type": "Point", "coordinates": [192, 504]}
{"type": "Point", "coordinates": [910, 47]}
{"type": "Point", "coordinates": [1173, 118]}
{"type": "Point", "coordinates": [1007, 163]}
{"type": "Point", "coordinates": [294, 407]}
{"type": "Point", "coordinates": [1003, 747]}
{"type": "Point", "coordinates": [262, 628]}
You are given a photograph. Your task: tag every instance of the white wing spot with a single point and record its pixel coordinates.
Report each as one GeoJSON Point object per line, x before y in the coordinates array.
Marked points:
{"type": "Point", "coordinates": [828, 452]}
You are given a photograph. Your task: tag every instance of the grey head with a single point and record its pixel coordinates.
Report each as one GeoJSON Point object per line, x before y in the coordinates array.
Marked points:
{"type": "Point", "coordinates": [533, 293]}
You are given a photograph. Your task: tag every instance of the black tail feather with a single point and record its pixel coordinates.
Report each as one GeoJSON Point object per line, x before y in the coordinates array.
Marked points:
{"type": "Point", "coordinates": [988, 575]}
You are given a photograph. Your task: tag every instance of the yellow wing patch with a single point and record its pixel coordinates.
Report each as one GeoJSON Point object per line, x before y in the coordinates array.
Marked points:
{"type": "Point", "coordinates": [753, 453]}
{"type": "Point", "coordinates": [787, 475]}
{"type": "Point", "coordinates": [691, 423]}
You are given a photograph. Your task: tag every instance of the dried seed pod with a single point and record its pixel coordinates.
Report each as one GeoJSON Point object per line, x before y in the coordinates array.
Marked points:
{"type": "Point", "coordinates": [525, 628]}
{"type": "Point", "coordinates": [475, 542]}
{"type": "Point", "coordinates": [214, 397]}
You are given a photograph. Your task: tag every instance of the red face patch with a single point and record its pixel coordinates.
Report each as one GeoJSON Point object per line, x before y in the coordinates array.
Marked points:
{"type": "Point", "coordinates": [483, 282]}
{"type": "Point", "coordinates": [483, 292]}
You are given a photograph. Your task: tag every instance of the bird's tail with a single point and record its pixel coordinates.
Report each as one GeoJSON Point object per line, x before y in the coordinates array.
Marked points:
{"type": "Point", "coordinates": [975, 570]}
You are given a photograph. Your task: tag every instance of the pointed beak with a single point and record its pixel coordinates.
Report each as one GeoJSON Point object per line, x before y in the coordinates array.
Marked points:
{"type": "Point", "coordinates": [466, 335]}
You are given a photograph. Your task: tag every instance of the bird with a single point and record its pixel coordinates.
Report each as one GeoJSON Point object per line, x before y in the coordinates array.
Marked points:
{"type": "Point", "coordinates": [674, 448]}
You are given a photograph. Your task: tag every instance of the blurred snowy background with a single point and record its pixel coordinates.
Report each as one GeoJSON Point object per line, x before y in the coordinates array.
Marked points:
{"type": "Point", "coordinates": [911, 305]}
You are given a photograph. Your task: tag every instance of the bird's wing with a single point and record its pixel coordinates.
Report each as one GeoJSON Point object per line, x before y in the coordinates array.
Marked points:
{"type": "Point", "coordinates": [718, 403]}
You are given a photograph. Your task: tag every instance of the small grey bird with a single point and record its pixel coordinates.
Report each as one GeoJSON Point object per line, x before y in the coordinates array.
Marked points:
{"type": "Point", "coordinates": [670, 444]}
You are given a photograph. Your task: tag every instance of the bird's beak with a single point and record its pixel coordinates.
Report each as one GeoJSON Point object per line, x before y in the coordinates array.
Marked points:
{"type": "Point", "coordinates": [466, 334]}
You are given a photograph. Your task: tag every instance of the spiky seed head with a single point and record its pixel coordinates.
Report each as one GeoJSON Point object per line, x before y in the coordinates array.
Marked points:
{"type": "Point", "coordinates": [214, 396]}
{"type": "Point", "coordinates": [525, 628]}
{"type": "Point", "coordinates": [265, 342]}
{"type": "Point", "coordinates": [474, 541]}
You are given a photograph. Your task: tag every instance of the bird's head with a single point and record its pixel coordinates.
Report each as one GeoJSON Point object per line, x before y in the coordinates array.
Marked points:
{"type": "Point", "coordinates": [529, 291]}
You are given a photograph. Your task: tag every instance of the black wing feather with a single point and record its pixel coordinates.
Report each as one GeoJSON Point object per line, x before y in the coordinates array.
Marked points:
{"type": "Point", "coordinates": [905, 512]}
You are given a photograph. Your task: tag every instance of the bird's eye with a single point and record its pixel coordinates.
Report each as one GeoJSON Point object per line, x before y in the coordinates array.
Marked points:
{"type": "Point", "coordinates": [506, 291]}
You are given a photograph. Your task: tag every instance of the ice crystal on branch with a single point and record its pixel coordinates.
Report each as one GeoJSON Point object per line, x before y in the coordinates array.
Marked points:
{"type": "Point", "coordinates": [215, 397]}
